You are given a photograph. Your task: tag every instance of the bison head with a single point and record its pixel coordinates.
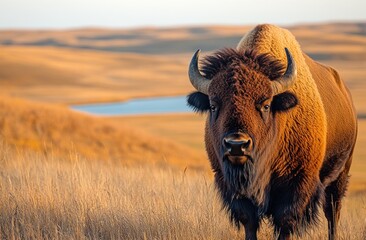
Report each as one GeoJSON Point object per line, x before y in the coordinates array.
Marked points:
{"type": "Point", "coordinates": [243, 92]}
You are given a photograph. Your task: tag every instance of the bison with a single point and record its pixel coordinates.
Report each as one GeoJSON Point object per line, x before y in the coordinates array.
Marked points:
{"type": "Point", "coordinates": [280, 132]}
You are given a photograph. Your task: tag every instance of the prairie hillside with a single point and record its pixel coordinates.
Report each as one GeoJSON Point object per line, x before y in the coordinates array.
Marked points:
{"type": "Point", "coordinates": [98, 65]}
{"type": "Point", "coordinates": [60, 75]}
{"type": "Point", "coordinates": [58, 132]}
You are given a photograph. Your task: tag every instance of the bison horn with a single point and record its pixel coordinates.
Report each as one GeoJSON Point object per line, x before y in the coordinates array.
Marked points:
{"type": "Point", "coordinates": [288, 79]}
{"type": "Point", "coordinates": [198, 81]}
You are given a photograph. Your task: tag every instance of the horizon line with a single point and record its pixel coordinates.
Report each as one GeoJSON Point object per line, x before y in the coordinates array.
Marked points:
{"type": "Point", "coordinates": [183, 25]}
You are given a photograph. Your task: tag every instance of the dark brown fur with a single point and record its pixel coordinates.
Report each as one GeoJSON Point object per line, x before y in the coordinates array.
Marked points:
{"type": "Point", "coordinates": [282, 181]}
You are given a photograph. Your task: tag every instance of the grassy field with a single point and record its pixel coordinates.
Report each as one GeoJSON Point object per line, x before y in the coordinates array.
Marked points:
{"type": "Point", "coordinates": [187, 129]}
{"type": "Point", "coordinates": [50, 198]}
{"type": "Point", "coordinates": [66, 175]}
{"type": "Point", "coordinates": [57, 131]}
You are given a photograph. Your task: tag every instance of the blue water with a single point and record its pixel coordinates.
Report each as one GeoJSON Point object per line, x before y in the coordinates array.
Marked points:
{"type": "Point", "coordinates": [158, 105]}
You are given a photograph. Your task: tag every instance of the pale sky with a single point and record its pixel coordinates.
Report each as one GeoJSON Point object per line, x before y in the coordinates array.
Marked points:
{"type": "Point", "coordinates": [40, 14]}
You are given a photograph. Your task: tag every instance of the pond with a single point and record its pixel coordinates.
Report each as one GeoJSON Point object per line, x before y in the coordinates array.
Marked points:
{"type": "Point", "coordinates": [156, 105]}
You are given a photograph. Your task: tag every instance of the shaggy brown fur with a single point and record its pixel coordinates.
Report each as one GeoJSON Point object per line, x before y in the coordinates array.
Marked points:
{"type": "Point", "coordinates": [302, 147]}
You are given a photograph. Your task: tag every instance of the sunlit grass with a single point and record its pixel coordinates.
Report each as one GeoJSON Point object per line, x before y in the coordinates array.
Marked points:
{"type": "Point", "coordinates": [49, 198]}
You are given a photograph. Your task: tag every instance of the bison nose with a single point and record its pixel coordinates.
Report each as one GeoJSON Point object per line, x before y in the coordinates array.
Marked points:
{"type": "Point", "coordinates": [236, 144]}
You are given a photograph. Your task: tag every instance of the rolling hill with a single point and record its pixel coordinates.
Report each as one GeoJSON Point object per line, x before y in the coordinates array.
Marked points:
{"type": "Point", "coordinates": [187, 39]}
{"type": "Point", "coordinates": [99, 65]}
{"type": "Point", "coordinates": [58, 132]}
{"type": "Point", "coordinates": [77, 76]}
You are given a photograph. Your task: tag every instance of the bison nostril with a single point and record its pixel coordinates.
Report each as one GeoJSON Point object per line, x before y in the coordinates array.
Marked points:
{"type": "Point", "coordinates": [246, 144]}
{"type": "Point", "coordinates": [236, 145]}
{"type": "Point", "coordinates": [227, 144]}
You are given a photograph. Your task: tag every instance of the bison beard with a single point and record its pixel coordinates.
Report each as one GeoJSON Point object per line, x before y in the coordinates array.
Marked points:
{"type": "Point", "coordinates": [280, 198]}
{"type": "Point", "coordinates": [238, 176]}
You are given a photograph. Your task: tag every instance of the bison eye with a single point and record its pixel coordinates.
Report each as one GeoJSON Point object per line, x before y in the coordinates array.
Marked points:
{"type": "Point", "coordinates": [266, 108]}
{"type": "Point", "coordinates": [213, 108]}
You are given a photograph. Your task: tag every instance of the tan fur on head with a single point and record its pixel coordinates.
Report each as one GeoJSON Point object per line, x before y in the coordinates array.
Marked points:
{"type": "Point", "coordinates": [310, 121]}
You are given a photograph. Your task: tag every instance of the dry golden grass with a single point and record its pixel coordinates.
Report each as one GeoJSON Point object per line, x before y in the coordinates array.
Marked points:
{"type": "Point", "coordinates": [50, 198]}
{"type": "Point", "coordinates": [358, 168]}
{"type": "Point", "coordinates": [185, 128]}
{"type": "Point", "coordinates": [57, 130]}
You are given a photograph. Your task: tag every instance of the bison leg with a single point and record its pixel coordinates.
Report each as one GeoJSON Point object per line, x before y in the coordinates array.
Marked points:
{"type": "Point", "coordinates": [333, 199]}
{"type": "Point", "coordinates": [295, 206]}
{"type": "Point", "coordinates": [251, 223]}
{"type": "Point", "coordinates": [284, 214]}
{"type": "Point", "coordinates": [243, 211]}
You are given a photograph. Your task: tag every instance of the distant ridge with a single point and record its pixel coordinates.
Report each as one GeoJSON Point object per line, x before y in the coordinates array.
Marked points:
{"type": "Point", "coordinates": [106, 65]}
{"type": "Point", "coordinates": [185, 39]}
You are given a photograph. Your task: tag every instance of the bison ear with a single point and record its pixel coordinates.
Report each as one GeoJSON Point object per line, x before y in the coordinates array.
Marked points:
{"type": "Point", "coordinates": [199, 102]}
{"type": "Point", "coordinates": [284, 101]}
